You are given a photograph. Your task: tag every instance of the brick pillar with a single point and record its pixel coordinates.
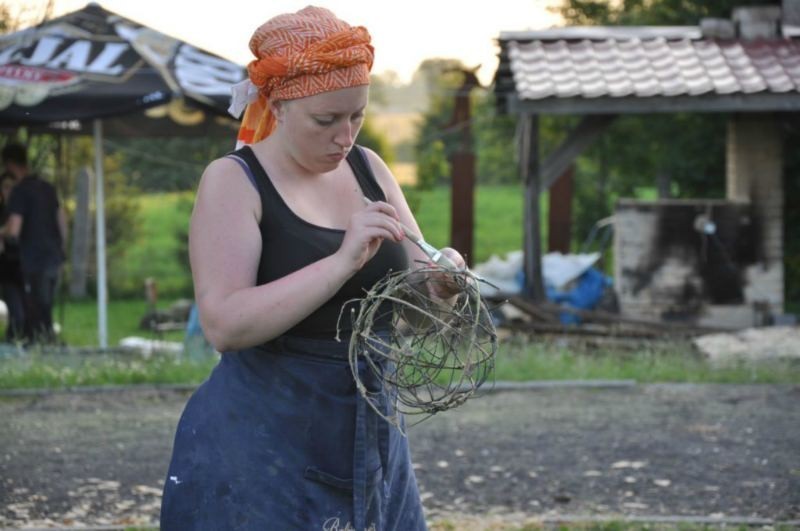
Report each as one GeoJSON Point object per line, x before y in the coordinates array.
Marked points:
{"type": "Point", "coordinates": [755, 174]}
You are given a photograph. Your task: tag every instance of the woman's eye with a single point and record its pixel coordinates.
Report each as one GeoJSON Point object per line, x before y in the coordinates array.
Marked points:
{"type": "Point", "coordinates": [324, 121]}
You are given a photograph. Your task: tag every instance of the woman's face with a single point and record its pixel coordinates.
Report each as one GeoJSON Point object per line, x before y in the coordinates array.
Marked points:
{"type": "Point", "coordinates": [320, 130]}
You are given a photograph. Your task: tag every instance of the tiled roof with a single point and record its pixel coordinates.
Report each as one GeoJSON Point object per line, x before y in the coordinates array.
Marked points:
{"type": "Point", "coordinates": [655, 67]}
{"type": "Point", "coordinates": [624, 64]}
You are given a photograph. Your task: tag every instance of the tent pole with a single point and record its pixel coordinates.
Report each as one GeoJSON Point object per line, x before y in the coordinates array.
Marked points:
{"type": "Point", "coordinates": [102, 295]}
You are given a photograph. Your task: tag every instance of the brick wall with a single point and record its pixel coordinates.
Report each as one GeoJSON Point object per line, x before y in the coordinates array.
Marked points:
{"type": "Point", "coordinates": [755, 174]}
{"type": "Point", "coordinates": [666, 269]}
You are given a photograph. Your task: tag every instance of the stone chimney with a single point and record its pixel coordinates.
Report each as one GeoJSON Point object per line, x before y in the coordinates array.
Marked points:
{"type": "Point", "coordinates": [754, 162]}
{"type": "Point", "coordinates": [757, 22]}
{"type": "Point", "coordinates": [717, 28]}
{"type": "Point", "coordinates": [791, 12]}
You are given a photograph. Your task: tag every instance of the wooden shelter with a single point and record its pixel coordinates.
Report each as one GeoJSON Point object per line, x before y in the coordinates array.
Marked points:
{"type": "Point", "coordinates": [748, 67]}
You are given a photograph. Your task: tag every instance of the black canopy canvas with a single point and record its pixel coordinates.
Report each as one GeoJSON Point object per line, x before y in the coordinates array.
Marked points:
{"type": "Point", "coordinates": [93, 71]}
{"type": "Point", "coordinates": [92, 63]}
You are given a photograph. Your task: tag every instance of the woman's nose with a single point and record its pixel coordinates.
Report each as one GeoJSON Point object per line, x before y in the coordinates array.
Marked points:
{"type": "Point", "coordinates": [344, 135]}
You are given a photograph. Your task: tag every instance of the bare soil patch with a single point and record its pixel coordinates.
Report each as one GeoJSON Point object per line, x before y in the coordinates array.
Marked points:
{"type": "Point", "coordinates": [690, 450]}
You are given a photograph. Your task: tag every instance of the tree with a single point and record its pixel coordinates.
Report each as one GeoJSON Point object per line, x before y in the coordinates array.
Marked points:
{"type": "Point", "coordinates": [649, 12]}
{"type": "Point", "coordinates": [167, 164]}
{"type": "Point", "coordinates": [441, 78]}
{"type": "Point", "coordinates": [494, 133]}
{"type": "Point", "coordinates": [376, 141]}
{"type": "Point", "coordinates": [14, 15]}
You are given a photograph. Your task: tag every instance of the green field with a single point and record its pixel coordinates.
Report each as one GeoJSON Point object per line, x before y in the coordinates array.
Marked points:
{"type": "Point", "coordinates": [498, 219]}
{"type": "Point", "coordinates": [164, 221]}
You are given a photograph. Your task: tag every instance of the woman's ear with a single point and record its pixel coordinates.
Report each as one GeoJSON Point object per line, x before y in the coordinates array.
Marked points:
{"type": "Point", "coordinates": [277, 108]}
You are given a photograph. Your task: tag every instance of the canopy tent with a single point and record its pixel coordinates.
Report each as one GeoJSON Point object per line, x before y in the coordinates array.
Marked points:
{"type": "Point", "coordinates": [93, 69]}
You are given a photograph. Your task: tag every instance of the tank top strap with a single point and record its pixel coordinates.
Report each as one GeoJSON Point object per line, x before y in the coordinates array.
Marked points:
{"type": "Point", "coordinates": [259, 178]}
{"type": "Point", "coordinates": [364, 174]}
{"type": "Point", "coordinates": [357, 158]}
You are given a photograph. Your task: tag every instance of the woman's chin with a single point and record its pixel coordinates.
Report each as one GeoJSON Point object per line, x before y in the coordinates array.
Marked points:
{"type": "Point", "coordinates": [325, 166]}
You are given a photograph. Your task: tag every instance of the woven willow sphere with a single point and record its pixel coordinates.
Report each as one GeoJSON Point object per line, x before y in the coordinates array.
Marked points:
{"type": "Point", "coordinates": [434, 355]}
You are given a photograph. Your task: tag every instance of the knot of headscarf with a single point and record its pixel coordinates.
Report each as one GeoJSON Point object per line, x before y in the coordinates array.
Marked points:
{"type": "Point", "coordinates": [298, 55]}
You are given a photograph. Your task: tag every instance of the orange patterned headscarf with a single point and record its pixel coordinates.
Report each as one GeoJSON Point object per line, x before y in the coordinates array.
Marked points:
{"type": "Point", "coordinates": [302, 54]}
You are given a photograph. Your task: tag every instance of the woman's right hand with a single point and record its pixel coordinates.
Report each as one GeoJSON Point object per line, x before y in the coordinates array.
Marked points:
{"type": "Point", "coordinates": [366, 231]}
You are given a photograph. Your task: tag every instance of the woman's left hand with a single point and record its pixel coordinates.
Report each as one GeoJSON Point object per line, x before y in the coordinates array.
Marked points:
{"type": "Point", "coordinates": [442, 284]}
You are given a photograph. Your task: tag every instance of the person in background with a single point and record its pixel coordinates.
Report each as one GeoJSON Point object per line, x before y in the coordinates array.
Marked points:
{"type": "Point", "coordinates": [38, 222]}
{"type": "Point", "coordinates": [11, 282]}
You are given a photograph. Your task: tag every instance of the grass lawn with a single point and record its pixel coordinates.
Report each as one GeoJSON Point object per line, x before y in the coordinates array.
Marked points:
{"type": "Point", "coordinates": [524, 359]}
{"type": "Point", "coordinates": [518, 359]}
{"type": "Point", "coordinates": [79, 323]}
{"type": "Point", "coordinates": [53, 371]}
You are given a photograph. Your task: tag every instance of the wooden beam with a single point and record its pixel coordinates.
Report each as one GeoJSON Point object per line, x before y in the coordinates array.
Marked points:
{"type": "Point", "coordinates": [787, 102]}
{"type": "Point", "coordinates": [532, 245]}
{"type": "Point", "coordinates": [542, 308]}
{"type": "Point", "coordinates": [578, 140]}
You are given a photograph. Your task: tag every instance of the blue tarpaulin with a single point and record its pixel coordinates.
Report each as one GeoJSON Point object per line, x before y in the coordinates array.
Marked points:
{"type": "Point", "coordinates": [587, 291]}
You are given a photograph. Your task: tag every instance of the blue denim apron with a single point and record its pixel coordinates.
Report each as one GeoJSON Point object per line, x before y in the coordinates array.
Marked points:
{"type": "Point", "coordinates": [279, 438]}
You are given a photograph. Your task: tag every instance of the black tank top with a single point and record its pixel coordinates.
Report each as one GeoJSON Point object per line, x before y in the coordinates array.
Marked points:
{"type": "Point", "coordinates": [289, 243]}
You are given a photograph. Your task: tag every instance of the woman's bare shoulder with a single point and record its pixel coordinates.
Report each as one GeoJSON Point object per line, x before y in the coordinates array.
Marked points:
{"type": "Point", "coordinates": [226, 173]}
{"type": "Point", "coordinates": [222, 168]}
{"type": "Point", "coordinates": [225, 181]}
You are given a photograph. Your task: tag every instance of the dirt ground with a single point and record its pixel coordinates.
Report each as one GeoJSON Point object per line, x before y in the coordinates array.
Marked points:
{"type": "Point", "coordinates": [656, 450]}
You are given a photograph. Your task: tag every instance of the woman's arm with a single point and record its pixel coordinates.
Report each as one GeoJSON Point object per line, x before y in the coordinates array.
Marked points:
{"type": "Point", "coordinates": [225, 250]}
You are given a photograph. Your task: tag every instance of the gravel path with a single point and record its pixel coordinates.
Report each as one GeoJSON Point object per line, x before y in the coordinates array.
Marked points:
{"type": "Point", "coordinates": [718, 451]}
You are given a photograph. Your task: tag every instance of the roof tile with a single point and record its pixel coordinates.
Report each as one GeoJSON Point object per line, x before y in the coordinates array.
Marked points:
{"type": "Point", "coordinates": [647, 67]}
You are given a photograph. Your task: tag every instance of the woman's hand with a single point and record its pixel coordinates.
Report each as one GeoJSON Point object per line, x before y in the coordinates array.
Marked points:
{"type": "Point", "coordinates": [442, 284]}
{"type": "Point", "coordinates": [366, 231]}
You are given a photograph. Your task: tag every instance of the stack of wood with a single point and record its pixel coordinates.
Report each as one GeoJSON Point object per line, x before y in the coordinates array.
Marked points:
{"type": "Point", "coordinates": [544, 317]}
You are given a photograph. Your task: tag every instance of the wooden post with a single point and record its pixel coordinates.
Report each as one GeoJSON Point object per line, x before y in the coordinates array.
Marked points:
{"type": "Point", "coordinates": [529, 166]}
{"type": "Point", "coordinates": [559, 232]}
{"type": "Point", "coordinates": [462, 165]}
{"type": "Point", "coordinates": [462, 204]}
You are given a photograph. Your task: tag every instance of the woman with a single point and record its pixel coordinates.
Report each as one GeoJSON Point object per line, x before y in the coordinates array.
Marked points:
{"type": "Point", "coordinates": [280, 239]}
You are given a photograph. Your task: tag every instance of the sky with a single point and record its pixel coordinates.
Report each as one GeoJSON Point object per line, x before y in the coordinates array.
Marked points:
{"type": "Point", "coordinates": [404, 33]}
